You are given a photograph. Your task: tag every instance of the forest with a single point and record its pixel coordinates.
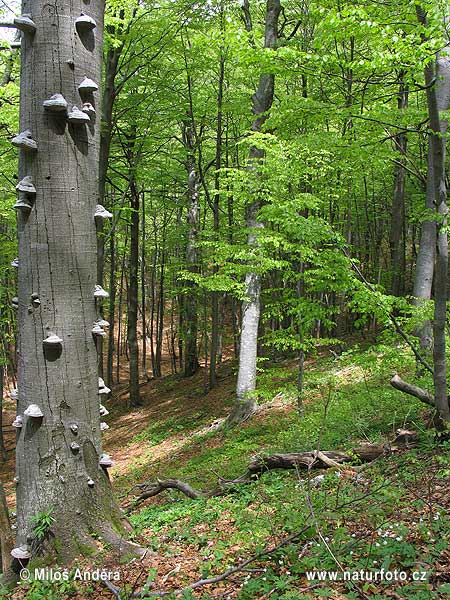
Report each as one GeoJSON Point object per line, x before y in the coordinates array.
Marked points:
{"type": "Point", "coordinates": [224, 326]}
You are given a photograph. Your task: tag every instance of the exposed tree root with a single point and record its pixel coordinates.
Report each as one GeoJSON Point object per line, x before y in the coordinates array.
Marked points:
{"type": "Point", "coordinates": [121, 545]}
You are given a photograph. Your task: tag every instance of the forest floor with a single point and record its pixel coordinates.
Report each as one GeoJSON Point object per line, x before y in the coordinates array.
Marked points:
{"type": "Point", "coordinates": [390, 517]}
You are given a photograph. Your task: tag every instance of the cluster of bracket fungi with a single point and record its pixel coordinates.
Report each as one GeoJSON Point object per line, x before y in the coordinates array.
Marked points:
{"type": "Point", "coordinates": [76, 116]}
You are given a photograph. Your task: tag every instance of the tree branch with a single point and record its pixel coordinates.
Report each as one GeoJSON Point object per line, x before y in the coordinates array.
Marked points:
{"type": "Point", "coordinates": [419, 393]}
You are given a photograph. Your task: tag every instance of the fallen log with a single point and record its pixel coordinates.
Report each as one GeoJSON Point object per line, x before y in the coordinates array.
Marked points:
{"type": "Point", "coordinates": [315, 459]}
{"type": "Point", "coordinates": [259, 464]}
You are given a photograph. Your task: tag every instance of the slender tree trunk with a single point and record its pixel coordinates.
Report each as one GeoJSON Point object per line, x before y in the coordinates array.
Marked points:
{"type": "Point", "coordinates": [438, 99]}
{"type": "Point", "coordinates": [190, 320]}
{"type": "Point", "coordinates": [262, 102]}
{"type": "Point", "coordinates": [3, 451]}
{"type": "Point", "coordinates": [437, 80]}
{"type": "Point", "coordinates": [112, 310]}
{"type": "Point", "coordinates": [143, 293]}
{"type": "Point", "coordinates": [397, 246]}
{"type": "Point", "coordinates": [215, 297]}
{"type": "Point", "coordinates": [58, 454]}
{"type": "Point", "coordinates": [133, 287]}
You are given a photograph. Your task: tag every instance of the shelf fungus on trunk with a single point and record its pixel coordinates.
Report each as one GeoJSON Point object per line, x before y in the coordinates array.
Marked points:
{"type": "Point", "coordinates": [77, 116]}
{"type": "Point", "coordinates": [102, 387]}
{"type": "Point", "coordinates": [87, 86]}
{"type": "Point", "coordinates": [25, 23]}
{"type": "Point", "coordinates": [75, 447]}
{"type": "Point", "coordinates": [35, 300]}
{"type": "Point", "coordinates": [102, 323]}
{"type": "Point", "coordinates": [85, 23]}
{"type": "Point", "coordinates": [90, 483]}
{"type": "Point", "coordinates": [15, 302]}
{"type": "Point", "coordinates": [88, 108]}
{"type": "Point", "coordinates": [98, 331]}
{"type": "Point", "coordinates": [34, 412]}
{"type": "Point", "coordinates": [14, 394]}
{"type": "Point", "coordinates": [24, 141]}
{"type": "Point", "coordinates": [18, 422]}
{"type": "Point", "coordinates": [103, 411]}
{"type": "Point", "coordinates": [102, 213]}
{"type": "Point", "coordinates": [100, 293]}
{"type": "Point", "coordinates": [21, 553]}
{"type": "Point", "coordinates": [52, 341]}
{"type": "Point", "coordinates": [74, 428]}
{"type": "Point", "coordinates": [104, 426]}
{"type": "Point", "coordinates": [15, 263]}
{"type": "Point", "coordinates": [26, 186]}
{"type": "Point", "coordinates": [105, 461]}
{"type": "Point", "coordinates": [56, 103]}
{"type": "Point", "coordinates": [24, 203]}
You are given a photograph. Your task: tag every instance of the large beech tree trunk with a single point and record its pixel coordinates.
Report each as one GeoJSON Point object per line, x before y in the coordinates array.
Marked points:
{"type": "Point", "coordinates": [262, 102]}
{"type": "Point", "coordinates": [58, 455]}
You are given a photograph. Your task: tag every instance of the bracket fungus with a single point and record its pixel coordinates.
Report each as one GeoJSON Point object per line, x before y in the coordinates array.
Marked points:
{"type": "Point", "coordinates": [99, 292]}
{"type": "Point", "coordinates": [25, 23]}
{"type": "Point", "coordinates": [104, 390]}
{"type": "Point", "coordinates": [21, 553]}
{"type": "Point", "coordinates": [34, 412]}
{"type": "Point", "coordinates": [103, 411]}
{"type": "Point", "coordinates": [98, 331]}
{"type": "Point", "coordinates": [77, 116]}
{"type": "Point", "coordinates": [104, 426]}
{"type": "Point", "coordinates": [15, 263]}
{"type": "Point", "coordinates": [102, 213]}
{"type": "Point", "coordinates": [105, 461]}
{"type": "Point", "coordinates": [88, 108]}
{"type": "Point", "coordinates": [87, 86]}
{"type": "Point", "coordinates": [24, 141]}
{"type": "Point", "coordinates": [26, 185]}
{"type": "Point", "coordinates": [90, 483]}
{"type": "Point", "coordinates": [18, 422]}
{"type": "Point", "coordinates": [75, 447]}
{"type": "Point", "coordinates": [74, 428]}
{"type": "Point", "coordinates": [15, 392]}
{"type": "Point", "coordinates": [16, 480]}
{"type": "Point", "coordinates": [24, 202]}
{"type": "Point", "coordinates": [56, 103]}
{"type": "Point", "coordinates": [85, 23]}
{"type": "Point", "coordinates": [52, 340]}
{"type": "Point", "coordinates": [103, 323]}
{"type": "Point", "coordinates": [35, 300]}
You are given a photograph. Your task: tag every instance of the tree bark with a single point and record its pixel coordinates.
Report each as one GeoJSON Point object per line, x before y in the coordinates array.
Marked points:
{"type": "Point", "coordinates": [262, 100]}
{"type": "Point", "coordinates": [437, 81]}
{"type": "Point", "coordinates": [215, 297]}
{"type": "Point", "coordinates": [396, 238]}
{"type": "Point", "coordinates": [58, 454]}
{"type": "Point", "coordinates": [133, 288]}
{"type": "Point", "coordinates": [190, 320]}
